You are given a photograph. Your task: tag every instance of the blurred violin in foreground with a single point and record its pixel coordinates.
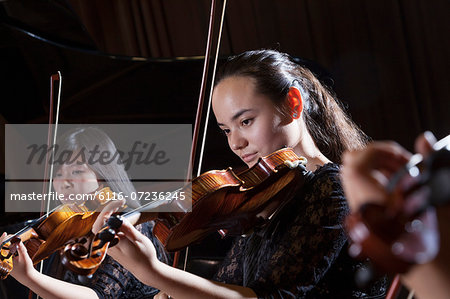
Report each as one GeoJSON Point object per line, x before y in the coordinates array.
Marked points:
{"type": "Point", "coordinates": [404, 231]}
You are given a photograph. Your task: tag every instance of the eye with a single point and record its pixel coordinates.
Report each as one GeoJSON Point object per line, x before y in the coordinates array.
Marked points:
{"type": "Point", "coordinates": [247, 122]}
{"type": "Point", "coordinates": [225, 131]}
{"type": "Point", "coordinates": [77, 171]}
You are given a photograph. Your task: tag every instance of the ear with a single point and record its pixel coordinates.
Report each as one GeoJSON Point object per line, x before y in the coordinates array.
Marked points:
{"type": "Point", "coordinates": [295, 102]}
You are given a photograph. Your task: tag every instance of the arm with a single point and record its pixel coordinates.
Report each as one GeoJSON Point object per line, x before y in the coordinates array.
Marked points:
{"type": "Point", "coordinates": [43, 285]}
{"type": "Point", "coordinates": [137, 253]}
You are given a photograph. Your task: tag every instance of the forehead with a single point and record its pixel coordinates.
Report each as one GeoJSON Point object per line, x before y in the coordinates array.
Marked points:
{"type": "Point", "coordinates": [235, 84]}
{"type": "Point", "coordinates": [234, 94]}
{"type": "Point", "coordinates": [71, 162]}
{"type": "Point", "coordinates": [73, 165]}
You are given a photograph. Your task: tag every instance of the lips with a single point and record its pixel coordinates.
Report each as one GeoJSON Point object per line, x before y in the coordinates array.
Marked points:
{"type": "Point", "coordinates": [248, 157]}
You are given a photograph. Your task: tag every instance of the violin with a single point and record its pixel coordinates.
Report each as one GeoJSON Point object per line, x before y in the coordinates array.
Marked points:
{"type": "Point", "coordinates": [222, 201]}
{"type": "Point", "coordinates": [380, 231]}
{"type": "Point", "coordinates": [50, 233]}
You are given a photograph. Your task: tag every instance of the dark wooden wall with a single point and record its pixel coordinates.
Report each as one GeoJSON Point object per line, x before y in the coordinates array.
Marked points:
{"type": "Point", "coordinates": [388, 59]}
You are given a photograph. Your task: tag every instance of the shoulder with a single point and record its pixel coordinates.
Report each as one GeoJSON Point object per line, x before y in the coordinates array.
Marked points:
{"type": "Point", "coordinates": [326, 182]}
{"type": "Point", "coordinates": [324, 195]}
{"type": "Point", "coordinates": [326, 171]}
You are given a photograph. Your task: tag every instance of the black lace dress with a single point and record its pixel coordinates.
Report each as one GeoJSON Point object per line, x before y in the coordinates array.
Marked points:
{"type": "Point", "coordinates": [112, 280]}
{"type": "Point", "coordinates": [302, 252]}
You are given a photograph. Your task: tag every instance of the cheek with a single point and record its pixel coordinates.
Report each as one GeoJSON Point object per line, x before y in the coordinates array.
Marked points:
{"type": "Point", "coordinates": [85, 184]}
{"type": "Point", "coordinates": [89, 179]}
{"type": "Point", "coordinates": [89, 182]}
{"type": "Point", "coordinates": [261, 140]}
{"type": "Point", "coordinates": [56, 184]}
{"type": "Point", "coordinates": [275, 142]}
{"type": "Point", "coordinates": [280, 134]}
{"type": "Point", "coordinates": [268, 136]}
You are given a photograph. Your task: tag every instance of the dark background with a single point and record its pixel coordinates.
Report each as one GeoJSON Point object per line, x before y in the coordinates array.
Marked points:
{"type": "Point", "coordinates": [141, 61]}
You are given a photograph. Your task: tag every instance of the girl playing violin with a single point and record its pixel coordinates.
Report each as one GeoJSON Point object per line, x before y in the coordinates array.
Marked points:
{"type": "Point", "coordinates": [264, 101]}
{"type": "Point", "coordinates": [111, 280]}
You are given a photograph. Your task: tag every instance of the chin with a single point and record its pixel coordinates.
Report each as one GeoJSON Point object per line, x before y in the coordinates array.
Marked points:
{"type": "Point", "coordinates": [250, 165]}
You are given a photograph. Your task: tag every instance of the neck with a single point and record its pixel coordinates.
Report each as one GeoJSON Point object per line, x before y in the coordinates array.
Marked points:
{"type": "Point", "coordinates": [308, 149]}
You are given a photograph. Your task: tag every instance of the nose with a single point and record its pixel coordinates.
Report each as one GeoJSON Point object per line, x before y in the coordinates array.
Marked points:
{"type": "Point", "coordinates": [61, 184]}
{"type": "Point", "coordinates": [67, 183]}
{"type": "Point", "coordinates": [237, 141]}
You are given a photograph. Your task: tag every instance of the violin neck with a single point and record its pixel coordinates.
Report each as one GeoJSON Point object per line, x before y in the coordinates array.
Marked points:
{"type": "Point", "coordinates": [28, 234]}
{"type": "Point", "coordinates": [24, 235]}
{"type": "Point", "coordinates": [141, 215]}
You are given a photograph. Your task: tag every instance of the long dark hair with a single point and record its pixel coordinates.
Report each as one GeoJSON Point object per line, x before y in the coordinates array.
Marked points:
{"type": "Point", "coordinates": [274, 73]}
{"type": "Point", "coordinates": [93, 140]}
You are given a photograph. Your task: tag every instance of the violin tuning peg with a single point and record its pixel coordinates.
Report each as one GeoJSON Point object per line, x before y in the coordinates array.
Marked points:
{"type": "Point", "coordinates": [115, 222]}
{"type": "Point", "coordinates": [106, 235]}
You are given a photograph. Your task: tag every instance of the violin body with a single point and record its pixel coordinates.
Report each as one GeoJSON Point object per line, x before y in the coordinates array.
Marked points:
{"type": "Point", "coordinates": [67, 222]}
{"type": "Point", "coordinates": [230, 203]}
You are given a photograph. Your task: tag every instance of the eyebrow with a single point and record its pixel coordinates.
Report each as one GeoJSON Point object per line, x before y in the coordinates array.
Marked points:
{"type": "Point", "coordinates": [72, 165]}
{"type": "Point", "coordinates": [236, 116]}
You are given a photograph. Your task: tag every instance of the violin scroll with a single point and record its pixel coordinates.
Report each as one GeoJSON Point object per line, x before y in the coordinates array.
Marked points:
{"type": "Point", "coordinates": [85, 260]}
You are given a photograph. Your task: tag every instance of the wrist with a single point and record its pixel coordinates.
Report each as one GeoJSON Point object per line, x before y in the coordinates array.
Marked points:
{"type": "Point", "coordinates": [154, 272]}
{"type": "Point", "coordinates": [28, 277]}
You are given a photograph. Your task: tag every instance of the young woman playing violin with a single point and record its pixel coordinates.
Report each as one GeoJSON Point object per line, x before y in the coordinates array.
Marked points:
{"type": "Point", "coordinates": [264, 101]}
{"type": "Point", "coordinates": [365, 176]}
{"type": "Point", "coordinates": [111, 280]}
